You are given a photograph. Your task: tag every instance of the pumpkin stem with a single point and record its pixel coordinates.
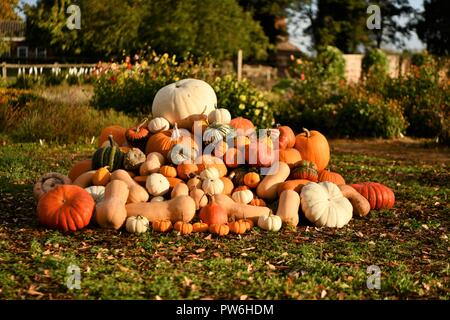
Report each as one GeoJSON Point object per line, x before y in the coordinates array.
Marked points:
{"type": "Point", "coordinates": [111, 140]}
{"type": "Point", "coordinates": [138, 128]}
{"type": "Point", "coordinates": [308, 133]}
{"type": "Point", "coordinates": [176, 133]}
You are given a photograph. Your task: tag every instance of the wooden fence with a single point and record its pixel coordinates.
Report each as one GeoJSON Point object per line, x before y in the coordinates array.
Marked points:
{"type": "Point", "coordinates": [5, 66]}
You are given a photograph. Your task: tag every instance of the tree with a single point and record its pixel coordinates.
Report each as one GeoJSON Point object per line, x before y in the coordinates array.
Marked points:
{"type": "Point", "coordinates": [209, 27]}
{"type": "Point", "coordinates": [433, 27]}
{"type": "Point", "coordinates": [8, 10]}
{"type": "Point", "coordinates": [392, 31]}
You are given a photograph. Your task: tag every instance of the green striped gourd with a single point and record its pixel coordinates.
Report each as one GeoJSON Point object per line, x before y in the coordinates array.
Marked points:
{"type": "Point", "coordinates": [110, 156]}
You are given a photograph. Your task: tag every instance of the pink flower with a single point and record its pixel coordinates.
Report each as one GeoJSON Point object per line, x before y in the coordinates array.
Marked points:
{"type": "Point", "coordinates": [302, 76]}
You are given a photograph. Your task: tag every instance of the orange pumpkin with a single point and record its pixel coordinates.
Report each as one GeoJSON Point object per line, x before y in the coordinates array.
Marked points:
{"type": "Point", "coordinates": [162, 225]}
{"type": "Point", "coordinates": [137, 136]}
{"type": "Point", "coordinates": [287, 137]}
{"type": "Point", "coordinates": [168, 171]}
{"type": "Point", "coordinates": [183, 227]}
{"type": "Point", "coordinates": [326, 175]}
{"type": "Point", "coordinates": [243, 126]}
{"type": "Point", "coordinates": [291, 156]}
{"type": "Point", "coordinates": [220, 149]}
{"type": "Point", "coordinates": [200, 227]}
{"type": "Point", "coordinates": [173, 181]}
{"type": "Point", "coordinates": [238, 227]}
{"type": "Point", "coordinates": [207, 161]}
{"type": "Point", "coordinates": [116, 131]}
{"type": "Point", "coordinates": [163, 141]}
{"type": "Point", "coordinates": [66, 207]}
{"type": "Point", "coordinates": [260, 153]}
{"type": "Point", "coordinates": [212, 213]}
{"type": "Point", "coordinates": [257, 202]}
{"type": "Point", "coordinates": [313, 146]}
{"type": "Point", "coordinates": [248, 223]}
{"type": "Point", "coordinates": [252, 179]}
{"type": "Point", "coordinates": [187, 169]}
{"type": "Point", "coordinates": [219, 229]}
{"type": "Point", "coordinates": [295, 185]}
{"type": "Point", "coordinates": [79, 168]}
{"type": "Point", "coordinates": [227, 186]}
{"type": "Point", "coordinates": [233, 157]}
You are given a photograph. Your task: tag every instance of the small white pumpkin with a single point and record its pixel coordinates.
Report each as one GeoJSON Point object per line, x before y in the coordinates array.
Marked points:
{"type": "Point", "coordinates": [181, 152]}
{"type": "Point", "coordinates": [97, 193]}
{"type": "Point", "coordinates": [183, 98]}
{"type": "Point", "coordinates": [324, 205]}
{"type": "Point", "coordinates": [158, 199]}
{"type": "Point", "coordinates": [158, 124]}
{"type": "Point", "coordinates": [242, 196]}
{"type": "Point", "coordinates": [221, 115]}
{"type": "Point", "coordinates": [217, 132]}
{"type": "Point", "coordinates": [210, 173]}
{"type": "Point", "coordinates": [157, 184]}
{"type": "Point", "coordinates": [212, 186]}
{"type": "Point", "coordinates": [137, 224]}
{"type": "Point", "coordinates": [270, 223]}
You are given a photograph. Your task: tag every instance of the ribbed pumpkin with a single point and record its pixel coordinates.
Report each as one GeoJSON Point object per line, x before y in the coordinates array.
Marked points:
{"type": "Point", "coordinates": [243, 126]}
{"type": "Point", "coordinates": [233, 157]}
{"type": "Point", "coordinates": [217, 132]}
{"type": "Point", "coordinates": [378, 195]}
{"type": "Point", "coordinates": [326, 175]}
{"type": "Point", "coordinates": [163, 142]}
{"type": "Point", "coordinates": [305, 170]}
{"type": "Point", "coordinates": [187, 170]}
{"type": "Point", "coordinates": [137, 136]}
{"type": "Point", "coordinates": [116, 131]}
{"type": "Point", "coordinates": [112, 157]}
{"type": "Point", "coordinates": [168, 171]}
{"type": "Point", "coordinates": [313, 146]}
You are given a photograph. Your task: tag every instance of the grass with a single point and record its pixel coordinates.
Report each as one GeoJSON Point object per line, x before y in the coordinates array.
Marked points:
{"type": "Point", "coordinates": [408, 243]}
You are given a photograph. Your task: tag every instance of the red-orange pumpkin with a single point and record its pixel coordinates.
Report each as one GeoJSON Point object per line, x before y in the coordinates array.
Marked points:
{"type": "Point", "coordinates": [378, 195]}
{"type": "Point", "coordinates": [291, 156]}
{"type": "Point", "coordinates": [137, 136]}
{"type": "Point", "coordinates": [187, 169]}
{"type": "Point", "coordinates": [260, 153]}
{"type": "Point", "coordinates": [233, 157]}
{"type": "Point", "coordinates": [116, 131]}
{"type": "Point", "coordinates": [66, 207]}
{"type": "Point", "coordinates": [243, 126]}
{"type": "Point", "coordinates": [286, 138]}
{"type": "Point", "coordinates": [313, 146]}
{"type": "Point", "coordinates": [79, 168]}
{"type": "Point", "coordinates": [326, 175]}
{"type": "Point", "coordinates": [162, 142]}
{"type": "Point", "coordinates": [212, 213]}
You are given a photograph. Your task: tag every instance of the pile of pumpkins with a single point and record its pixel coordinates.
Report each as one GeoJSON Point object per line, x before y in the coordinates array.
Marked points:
{"type": "Point", "coordinates": [194, 168]}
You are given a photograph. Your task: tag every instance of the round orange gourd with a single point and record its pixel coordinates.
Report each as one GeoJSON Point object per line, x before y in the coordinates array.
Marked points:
{"type": "Point", "coordinates": [286, 138]}
{"type": "Point", "coordinates": [219, 229]}
{"type": "Point", "coordinates": [118, 133]}
{"type": "Point", "coordinates": [243, 126]}
{"type": "Point", "coordinates": [238, 227]}
{"type": "Point", "coordinates": [313, 146]}
{"type": "Point", "coordinates": [168, 171]}
{"type": "Point", "coordinates": [290, 155]}
{"type": "Point", "coordinates": [252, 179]}
{"type": "Point", "coordinates": [186, 169]}
{"type": "Point", "coordinates": [326, 175]}
{"type": "Point", "coordinates": [101, 177]}
{"type": "Point", "coordinates": [200, 227]}
{"type": "Point", "coordinates": [163, 141]}
{"type": "Point", "coordinates": [66, 207]}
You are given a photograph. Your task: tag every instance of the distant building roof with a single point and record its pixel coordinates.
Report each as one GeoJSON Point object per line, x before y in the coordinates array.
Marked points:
{"type": "Point", "coordinates": [287, 46]}
{"type": "Point", "coordinates": [12, 30]}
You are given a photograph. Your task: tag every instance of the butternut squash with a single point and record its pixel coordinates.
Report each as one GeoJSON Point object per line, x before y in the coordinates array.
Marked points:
{"type": "Point", "coordinates": [296, 185]}
{"type": "Point", "coordinates": [140, 180]}
{"type": "Point", "coordinates": [288, 207]}
{"type": "Point", "coordinates": [199, 197]}
{"type": "Point", "coordinates": [137, 193]}
{"type": "Point", "coordinates": [267, 188]}
{"type": "Point", "coordinates": [180, 189]}
{"type": "Point", "coordinates": [154, 161]}
{"type": "Point", "coordinates": [194, 183]}
{"type": "Point", "coordinates": [361, 205]}
{"type": "Point", "coordinates": [111, 212]}
{"type": "Point", "coordinates": [228, 186]}
{"type": "Point", "coordinates": [238, 211]}
{"type": "Point", "coordinates": [181, 208]}
{"type": "Point", "coordinates": [84, 180]}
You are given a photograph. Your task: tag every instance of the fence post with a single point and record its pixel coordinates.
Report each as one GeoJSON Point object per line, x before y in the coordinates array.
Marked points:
{"type": "Point", "coordinates": [4, 70]}
{"type": "Point", "coordinates": [239, 65]}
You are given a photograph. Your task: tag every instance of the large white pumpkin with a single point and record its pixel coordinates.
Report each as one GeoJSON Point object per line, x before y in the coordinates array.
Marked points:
{"type": "Point", "coordinates": [183, 98]}
{"type": "Point", "coordinates": [324, 205]}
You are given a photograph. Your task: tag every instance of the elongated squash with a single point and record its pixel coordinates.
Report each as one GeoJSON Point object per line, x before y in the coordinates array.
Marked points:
{"type": "Point", "coordinates": [199, 197]}
{"type": "Point", "coordinates": [154, 161]}
{"type": "Point", "coordinates": [267, 189]}
{"type": "Point", "coordinates": [111, 212]}
{"type": "Point", "coordinates": [361, 206]}
{"type": "Point", "coordinates": [180, 189]}
{"type": "Point", "coordinates": [85, 179]}
{"type": "Point", "coordinates": [239, 210]}
{"type": "Point", "coordinates": [181, 208]}
{"type": "Point", "coordinates": [288, 207]}
{"type": "Point", "coordinates": [137, 193]}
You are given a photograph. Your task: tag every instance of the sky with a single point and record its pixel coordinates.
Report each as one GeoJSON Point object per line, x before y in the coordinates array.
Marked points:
{"type": "Point", "coordinates": [302, 41]}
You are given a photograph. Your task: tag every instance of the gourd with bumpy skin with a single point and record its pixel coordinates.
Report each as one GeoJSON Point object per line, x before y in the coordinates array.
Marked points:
{"type": "Point", "coordinates": [111, 212]}
{"type": "Point", "coordinates": [305, 170]}
{"type": "Point", "coordinates": [133, 160]}
{"type": "Point", "coordinates": [136, 192]}
{"type": "Point", "coordinates": [47, 182]}
{"type": "Point", "coordinates": [325, 206]}
{"type": "Point", "coordinates": [158, 124]}
{"type": "Point", "coordinates": [270, 223]}
{"type": "Point", "coordinates": [288, 207]}
{"type": "Point", "coordinates": [179, 208]}
{"type": "Point", "coordinates": [137, 224]}
{"type": "Point", "coordinates": [267, 188]}
{"type": "Point", "coordinates": [157, 184]}
{"type": "Point", "coordinates": [183, 98]}
{"type": "Point", "coordinates": [65, 207]}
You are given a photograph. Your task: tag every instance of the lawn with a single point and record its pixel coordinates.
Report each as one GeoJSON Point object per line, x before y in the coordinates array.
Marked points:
{"type": "Point", "coordinates": [408, 243]}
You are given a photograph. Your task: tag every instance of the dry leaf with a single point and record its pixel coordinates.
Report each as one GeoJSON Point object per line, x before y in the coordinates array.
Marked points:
{"type": "Point", "coordinates": [243, 297]}
{"type": "Point", "coordinates": [323, 294]}
{"type": "Point", "coordinates": [32, 291]}
{"type": "Point", "coordinates": [200, 250]}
